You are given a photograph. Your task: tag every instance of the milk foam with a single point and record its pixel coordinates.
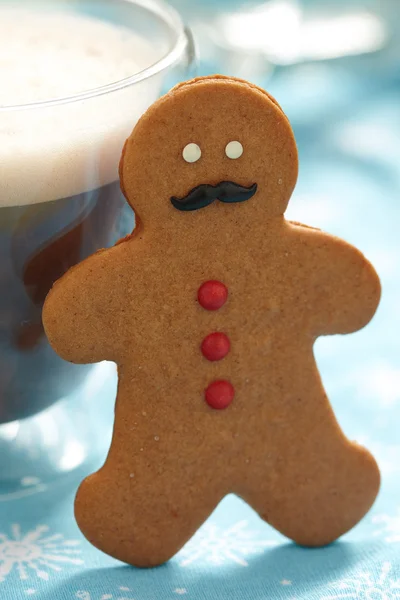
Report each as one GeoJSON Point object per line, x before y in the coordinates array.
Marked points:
{"type": "Point", "coordinates": [51, 153]}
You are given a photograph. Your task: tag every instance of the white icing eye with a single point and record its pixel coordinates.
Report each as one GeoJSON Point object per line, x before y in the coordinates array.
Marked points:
{"type": "Point", "coordinates": [234, 150]}
{"type": "Point", "coordinates": [191, 153]}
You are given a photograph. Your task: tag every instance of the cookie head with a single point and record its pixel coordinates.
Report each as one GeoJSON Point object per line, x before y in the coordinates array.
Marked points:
{"type": "Point", "coordinates": [210, 144]}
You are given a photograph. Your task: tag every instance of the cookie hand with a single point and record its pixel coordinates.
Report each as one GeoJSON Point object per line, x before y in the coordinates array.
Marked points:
{"type": "Point", "coordinates": [342, 289]}
{"type": "Point", "coordinates": [72, 310]}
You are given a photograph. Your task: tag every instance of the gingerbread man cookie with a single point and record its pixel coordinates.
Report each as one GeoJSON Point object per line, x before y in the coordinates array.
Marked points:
{"type": "Point", "coordinates": [210, 310]}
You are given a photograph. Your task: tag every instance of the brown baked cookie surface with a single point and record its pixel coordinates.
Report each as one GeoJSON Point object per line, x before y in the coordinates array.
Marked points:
{"type": "Point", "coordinates": [210, 311]}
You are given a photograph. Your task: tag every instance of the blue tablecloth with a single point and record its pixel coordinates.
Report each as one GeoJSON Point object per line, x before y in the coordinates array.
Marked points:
{"type": "Point", "coordinates": [349, 184]}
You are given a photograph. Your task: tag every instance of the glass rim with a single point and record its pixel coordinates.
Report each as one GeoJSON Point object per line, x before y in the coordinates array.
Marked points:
{"type": "Point", "coordinates": [170, 17]}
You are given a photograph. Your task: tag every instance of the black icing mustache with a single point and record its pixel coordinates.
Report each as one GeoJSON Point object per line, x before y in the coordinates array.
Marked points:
{"type": "Point", "coordinates": [205, 194]}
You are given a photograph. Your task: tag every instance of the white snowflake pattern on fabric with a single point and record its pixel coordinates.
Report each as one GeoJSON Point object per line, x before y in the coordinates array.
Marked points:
{"type": "Point", "coordinates": [180, 591]}
{"type": "Point", "coordinates": [217, 546]}
{"type": "Point", "coordinates": [84, 595]}
{"type": "Point", "coordinates": [389, 527]}
{"type": "Point", "coordinates": [380, 585]}
{"type": "Point", "coordinates": [35, 553]}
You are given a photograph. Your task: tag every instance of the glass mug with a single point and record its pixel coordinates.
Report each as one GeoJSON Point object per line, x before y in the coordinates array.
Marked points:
{"type": "Point", "coordinates": [60, 201]}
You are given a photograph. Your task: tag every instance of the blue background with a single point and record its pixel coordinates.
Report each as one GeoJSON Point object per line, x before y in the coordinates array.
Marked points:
{"type": "Point", "coordinates": [346, 117]}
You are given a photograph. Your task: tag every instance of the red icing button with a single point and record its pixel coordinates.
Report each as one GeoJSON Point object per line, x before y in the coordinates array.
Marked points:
{"type": "Point", "coordinates": [219, 394]}
{"type": "Point", "coordinates": [215, 346]}
{"type": "Point", "coordinates": [212, 295]}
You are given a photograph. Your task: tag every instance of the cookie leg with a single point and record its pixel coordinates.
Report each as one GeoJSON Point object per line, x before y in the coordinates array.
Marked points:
{"type": "Point", "coordinates": [320, 494]}
{"type": "Point", "coordinates": [306, 478]}
{"type": "Point", "coordinates": [136, 524]}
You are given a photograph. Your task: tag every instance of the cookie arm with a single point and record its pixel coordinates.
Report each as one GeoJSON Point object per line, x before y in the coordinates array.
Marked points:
{"type": "Point", "coordinates": [344, 290]}
{"type": "Point", "coordinates": [76, 313]}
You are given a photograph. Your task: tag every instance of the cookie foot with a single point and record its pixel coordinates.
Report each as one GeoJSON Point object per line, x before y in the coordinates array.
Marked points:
{"type": "Point", "coordinates": [315, 507]}
{"type": "Point", "coordinates": [134, 525]}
